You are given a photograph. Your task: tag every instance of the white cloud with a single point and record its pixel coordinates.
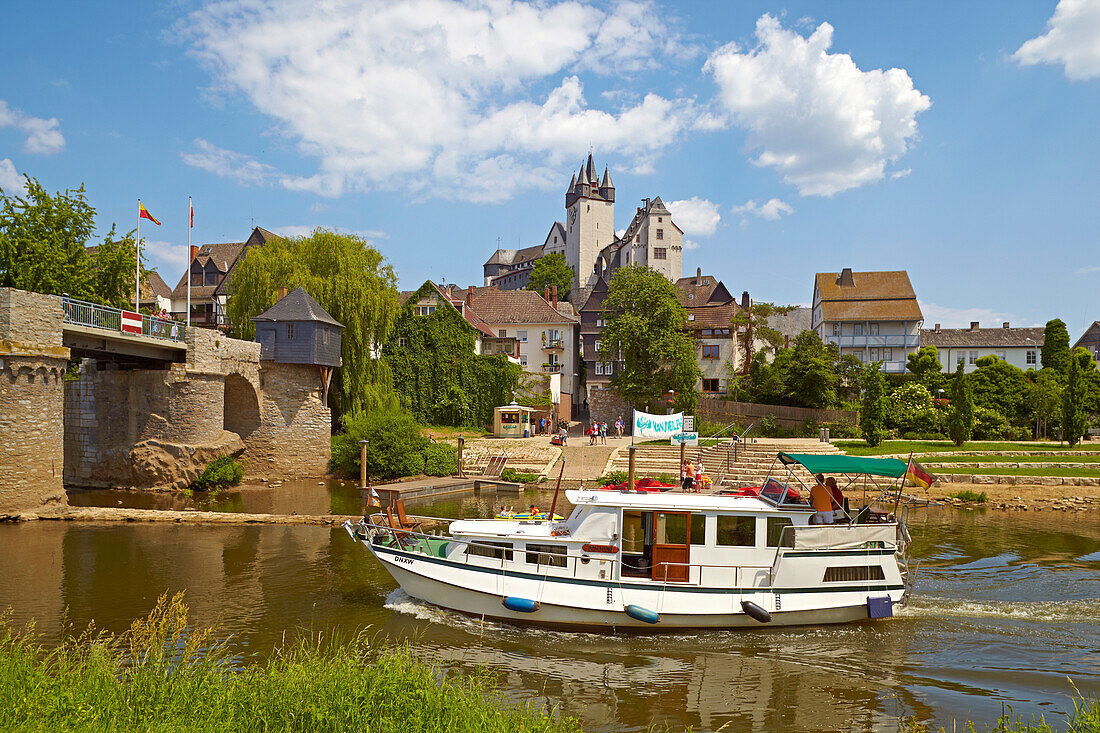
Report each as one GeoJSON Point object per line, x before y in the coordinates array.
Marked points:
{"type": "Point", "coordinates": [903, 173]}
{"type": "Point", "coordinates": [695, 216]}
{"type": "Point", "coordinates": [43, 135]}
{"type": "Point", "coordinates": [771, 210]}
{"type": "Point", "coordinates": [435, 96]}
{"type": "Point", "coordinates": [1088, 270]}
{"type": "Point", "coordinates": [226, 163]}
{"type": "Point", "coordinates": [949, 317]}
{"type": "Point", "coordinates": [169, 259]}
{"type": "Point", "coordinates": [690, 244]}
{"type": "Point", "coordinates": [823, 123]}
{"type": "Point", "coordinates": [1072, 39]}
{"type": "Point", "coordinates": [303, 230]}
{"type": "Point", "coordinates": [10, 180]}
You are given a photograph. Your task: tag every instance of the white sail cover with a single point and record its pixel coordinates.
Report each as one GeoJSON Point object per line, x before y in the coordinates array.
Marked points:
{"type": "Point", "coordinates": [842, 536]}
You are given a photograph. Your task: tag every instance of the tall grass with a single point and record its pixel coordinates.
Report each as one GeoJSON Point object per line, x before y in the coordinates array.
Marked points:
{"type": "Point", "coordinates": [162, 675]}
{"type": "Point", "coordinates": [1084, 719]}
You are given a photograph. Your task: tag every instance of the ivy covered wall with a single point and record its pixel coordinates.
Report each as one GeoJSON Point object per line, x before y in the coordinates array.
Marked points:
{"type": "Point", "coordinates": [436, 373]}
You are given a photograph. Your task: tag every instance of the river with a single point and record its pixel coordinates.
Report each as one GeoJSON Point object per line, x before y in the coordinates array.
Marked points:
{"type": "Point", "coordinates": [1006, 612]}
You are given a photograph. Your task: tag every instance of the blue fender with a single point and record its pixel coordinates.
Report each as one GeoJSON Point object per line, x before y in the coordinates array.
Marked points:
{"type": "Point", "coordinates": [523, 605]}
{"type": "Point", "coordinates": [642, 614]}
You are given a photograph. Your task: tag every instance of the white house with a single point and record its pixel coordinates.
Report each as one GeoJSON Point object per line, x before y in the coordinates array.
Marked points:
{"type": "Point", "coordinates": [1018, 346]}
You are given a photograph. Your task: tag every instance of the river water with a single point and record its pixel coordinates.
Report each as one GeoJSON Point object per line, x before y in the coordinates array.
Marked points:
{"type": "Point", "coordinates": [1006, 612]}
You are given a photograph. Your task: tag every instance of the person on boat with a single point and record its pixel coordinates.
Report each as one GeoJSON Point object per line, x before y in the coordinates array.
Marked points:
{"type": "Point", "coordinates": [822, 501]}
{"type": "Point", "coordinates": [533, 510]}
{"type": "Point", "coordinates": [689, 476]}
{"type": "Point", "coordinates": [837, 498]}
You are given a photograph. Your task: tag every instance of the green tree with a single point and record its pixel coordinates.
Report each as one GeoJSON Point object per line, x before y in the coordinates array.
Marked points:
{"type": "Point", "coordinates": [111, 267]}
{"type": "Point", "coordinates": [753, 325]}
{"type": "Point", "coordinates": [395, 444]}
{"type": "Point", "coordinates": [811, 374]}
{"type": "Point", "coordinates": [1054, 352]}
{"type": "Point", "coordinates": [350, 279]}
{"type": "Point", "coordinates": [550, 270]}
{"type": "Point", "coordinates": [1044, 399]}
{"type": "Point", "coordinates": [644, 332]}
{"type": "Point", "coordinates": [1074, 420]}
{"type": "Point", "coordinates": [439, 378]}
{"type": "Point", "coordinates": [960, 419]}
{"type": "Point", "coordinates": [872, 409]}
{"type": "Point", "coordinates": [999, 386]}
{"type": "Point", "coordinates": [925, 366]}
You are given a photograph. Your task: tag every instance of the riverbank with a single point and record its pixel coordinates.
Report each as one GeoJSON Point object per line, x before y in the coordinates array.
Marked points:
{"type": "Point", "coordinates": [163, 674]}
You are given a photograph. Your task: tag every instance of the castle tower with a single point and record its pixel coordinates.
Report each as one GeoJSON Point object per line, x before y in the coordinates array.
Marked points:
{"type": "Point", "coordinates": [589, 221]}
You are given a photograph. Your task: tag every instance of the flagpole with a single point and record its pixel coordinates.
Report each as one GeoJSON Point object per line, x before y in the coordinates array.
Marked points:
{"type": "Point", "coordinates": [188, 275]}
{"type": "Point", "coordinates": [137, 264]}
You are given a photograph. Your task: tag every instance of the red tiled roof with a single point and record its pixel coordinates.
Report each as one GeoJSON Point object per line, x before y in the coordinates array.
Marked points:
{"type": "Point", "coordinates": [877, 296]}
{"type": "Point", "coordinates": [516, 306]}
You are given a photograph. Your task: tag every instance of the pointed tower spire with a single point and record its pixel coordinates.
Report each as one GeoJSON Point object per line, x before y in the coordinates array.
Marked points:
{"type": "Point", "coordinates": [572, 183]}
{"type": "Point", "coordinates": [591, 172]}
{"type": "Point", "coordinates": [606, 182]}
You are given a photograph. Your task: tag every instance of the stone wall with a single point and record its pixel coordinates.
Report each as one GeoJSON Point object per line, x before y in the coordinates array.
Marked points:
{"type": "Point", "coordinates": [294, 435]}
{"type": "Point", "coordinates": [30, 317]}
{"type": "Point", "coordinates": [605, 404]}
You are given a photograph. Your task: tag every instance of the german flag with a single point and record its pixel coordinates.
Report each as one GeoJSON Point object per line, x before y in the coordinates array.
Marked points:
{"type": "Point", "coordinates": [919, 475]}
{"type": "Point", "coordinates": [143, 213]}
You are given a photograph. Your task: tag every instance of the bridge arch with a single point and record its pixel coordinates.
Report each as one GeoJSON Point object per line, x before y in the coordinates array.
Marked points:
{"type": "Point", "coordinates": [241, 406]}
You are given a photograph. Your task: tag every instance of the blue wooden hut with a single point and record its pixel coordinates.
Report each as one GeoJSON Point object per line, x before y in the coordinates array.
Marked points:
{"type": "Point", "coordinates": [297, 330]}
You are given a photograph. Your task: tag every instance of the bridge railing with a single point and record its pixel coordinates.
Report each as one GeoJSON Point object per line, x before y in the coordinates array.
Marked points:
{"type": "Point", "coordinates": [93, 315]}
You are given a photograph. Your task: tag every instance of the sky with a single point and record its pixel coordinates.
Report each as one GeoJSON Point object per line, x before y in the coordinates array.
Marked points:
{"type": "Point", "coordinates": [957, 141]}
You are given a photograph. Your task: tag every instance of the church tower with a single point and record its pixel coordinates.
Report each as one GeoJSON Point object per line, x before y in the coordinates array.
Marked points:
{"type": "Point", "coordinates": [589, 221]}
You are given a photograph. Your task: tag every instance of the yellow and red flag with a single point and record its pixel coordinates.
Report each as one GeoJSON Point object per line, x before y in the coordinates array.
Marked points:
{"type": "Point", "coordinates": [143, 213]}
{"type": "Point", "coordinates": [919, 475]}
{"type": "Point", "coordinates": [190, 214]}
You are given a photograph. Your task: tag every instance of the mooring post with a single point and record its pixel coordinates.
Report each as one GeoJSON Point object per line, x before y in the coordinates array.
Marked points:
{"type": "Point", "coordinates": [630, 471]}
{"type": "Point", "coordinates": [682, 452]}
{"type": "Point", "coordinates": [363, 465]}
{"type": "Point", "coordinates": [461, 444]}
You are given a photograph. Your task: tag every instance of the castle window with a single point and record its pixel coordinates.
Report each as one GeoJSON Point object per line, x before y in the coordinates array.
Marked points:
{"type": "Point", "coordinates": [588, 207]}
{"type": "Point", "coordinates": [660, 253]}
{"type": "Point", "coordinates": [660, 234]}
{"type": "Point", "coordinates": [659, 219]}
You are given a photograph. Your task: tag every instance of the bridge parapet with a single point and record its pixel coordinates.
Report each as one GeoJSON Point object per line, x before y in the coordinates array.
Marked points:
{"type": "Point", "coordinates": [94, 315]}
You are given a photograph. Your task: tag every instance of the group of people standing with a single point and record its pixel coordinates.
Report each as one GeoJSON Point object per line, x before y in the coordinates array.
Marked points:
{"type": "Point", "coordinates": [597, 431]}
{"type": "Point", "coordinates": [692, 477]}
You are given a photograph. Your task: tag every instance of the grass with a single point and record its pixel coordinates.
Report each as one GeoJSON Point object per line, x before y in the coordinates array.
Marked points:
{"type": "Point", "coordinates": [161, 675]}
{"type": "Point", "coordinates": [510, 474]}
{"type": "Point", "coordinates": [1026, 471]}
{"type": "Point", "coordinates": [220, 472]}
{"type": "Point", "coordinates": [860, 448]}
{"type": "Point", "coordinates": [1014, 459]}
{"type": "Point", "coordinates": [968, 495]}
{"type": "Point", "coordinates": [1084, 719]}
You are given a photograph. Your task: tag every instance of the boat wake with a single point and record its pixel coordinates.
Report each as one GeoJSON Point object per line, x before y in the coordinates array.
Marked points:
{"type": "Point", "coordinates": [1079, 611]}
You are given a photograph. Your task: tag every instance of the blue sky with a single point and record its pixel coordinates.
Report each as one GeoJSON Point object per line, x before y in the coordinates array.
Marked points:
{"type": "Point", "coordinates": [958, 141]}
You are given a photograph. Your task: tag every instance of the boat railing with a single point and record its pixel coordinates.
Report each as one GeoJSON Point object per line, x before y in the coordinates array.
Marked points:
{"type": "Point", "coordinates": [706, 574]}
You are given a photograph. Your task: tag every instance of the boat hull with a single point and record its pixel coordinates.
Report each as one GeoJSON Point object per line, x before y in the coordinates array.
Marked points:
{"type": "Point", "coordinates": [480, 592]}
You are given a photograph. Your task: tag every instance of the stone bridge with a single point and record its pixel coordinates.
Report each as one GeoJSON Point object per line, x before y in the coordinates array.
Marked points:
{"type": "Point", "coordinates": [142, 409]}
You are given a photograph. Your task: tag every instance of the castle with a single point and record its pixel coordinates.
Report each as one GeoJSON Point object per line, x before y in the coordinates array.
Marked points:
{"type": "Point", "coordinates": [588, 240]}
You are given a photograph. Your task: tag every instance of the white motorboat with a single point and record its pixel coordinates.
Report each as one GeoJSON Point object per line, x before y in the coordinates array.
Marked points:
{"type": "Point", "coordinates": [662, 560]}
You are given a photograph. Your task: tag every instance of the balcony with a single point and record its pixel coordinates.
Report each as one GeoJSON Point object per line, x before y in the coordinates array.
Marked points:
{"type": "Point", "coordinates": [551, 368]}
{"type": "Point", "coordinates": [553, 345]}
{"type": "Point", "coordinates": [878, 341]}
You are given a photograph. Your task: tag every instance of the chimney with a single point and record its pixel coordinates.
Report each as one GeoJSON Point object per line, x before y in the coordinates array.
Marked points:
{"type": "Point", "coordinates": [554, 295]}
{"type": "Point", "coordinates": [280, 293]}
{"type": "Point", "coordinates": [937, 328]}
{"type": "Point", "coordinates": [698, 275]}
{"type": "Point", "coordinates": [1004, 325]}
{"type": "Point", "coordinates": [470, 297]}
{"type": "Point", "coordinates": [846, 280]}
{"type": "Point", "coordinates": [194, 251]}
{"type": "Point", "coordinates": [546, 293]}
{"type": "Point", "coordinates": [973, 325]}
{"type": "Point", "coordinates": [745, 302]}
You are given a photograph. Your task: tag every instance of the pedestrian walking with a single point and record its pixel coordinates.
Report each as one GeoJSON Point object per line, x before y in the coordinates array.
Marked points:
{"type": "Point", "coordinates": [603, 433]}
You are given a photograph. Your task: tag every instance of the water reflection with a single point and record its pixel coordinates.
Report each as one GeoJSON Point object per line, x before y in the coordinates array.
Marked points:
{"type": "Point", "coordinates": [1007, 606]}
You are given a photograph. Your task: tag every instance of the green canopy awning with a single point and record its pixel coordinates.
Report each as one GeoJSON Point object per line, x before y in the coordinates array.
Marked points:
{"type": "Point", "coordinates": [834, 463]}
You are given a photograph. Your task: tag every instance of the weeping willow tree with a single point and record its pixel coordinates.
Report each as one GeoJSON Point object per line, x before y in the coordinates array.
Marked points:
{"type": "Point", "coordinates": [351, 280]}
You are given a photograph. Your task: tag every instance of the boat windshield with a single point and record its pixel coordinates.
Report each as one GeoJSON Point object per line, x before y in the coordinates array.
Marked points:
{"type": "Point", "coordinates": [778, 493]}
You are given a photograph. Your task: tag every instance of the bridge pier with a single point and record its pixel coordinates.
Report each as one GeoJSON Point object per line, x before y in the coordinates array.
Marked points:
{"type": "Point", "coordinates": [32, 370]}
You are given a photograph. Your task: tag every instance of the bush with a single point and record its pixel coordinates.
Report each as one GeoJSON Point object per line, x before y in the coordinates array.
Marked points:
{"type": "Point", "coordinates": [989, 424]}
{"type": "Point", "coordinates": [767, 427]}
{"type": "Point", "coordinates": [394, 449]}
{"type": "Point", "coordinates": [510, 474]}
{"type": "Point", "coordinates": [224, 471]}
{"type": "Point", "coordinates": [612, 477]}
{"type": "Point", "coordinates": [841, 430]}
{"type": "Point", "coordinates": [440, 459]}
{"type": "Point", "coordinates": [968, 495]}
{"type": "Point", "coordinates": [1018, 433]}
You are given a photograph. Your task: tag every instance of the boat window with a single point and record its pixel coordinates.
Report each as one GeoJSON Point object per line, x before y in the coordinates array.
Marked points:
{"type": "Point", "coordinates": [738, 531]}
{"type": "Point", "coordinates": [633, 532]}
{"type": "Point", "coordinates": [553, 555]}
{"type": "Point", "coordinates": [775, 531]}
{"type": "Point", "coordinates": [698, 529]}
{"type": "Point", "coordinates": [670, 529]}
{"type": "Point", "coordinates": [854, 573]}
{"type": "Point", "coordinates": [495, 550]}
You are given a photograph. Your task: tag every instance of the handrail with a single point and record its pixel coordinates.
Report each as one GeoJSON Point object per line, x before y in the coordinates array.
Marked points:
{"type": "Point", "coordinates": [735, 446]}
{"type": "Point", "coordinates": [94, 315]}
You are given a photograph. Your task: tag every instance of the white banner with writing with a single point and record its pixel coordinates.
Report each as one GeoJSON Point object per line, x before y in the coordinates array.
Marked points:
{"type": "Point", "coordinates": [657, 426]}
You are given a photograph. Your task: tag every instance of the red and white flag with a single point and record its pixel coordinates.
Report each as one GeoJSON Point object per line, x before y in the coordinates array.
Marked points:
{"type": "Point", "coordinates": [190, 214]}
